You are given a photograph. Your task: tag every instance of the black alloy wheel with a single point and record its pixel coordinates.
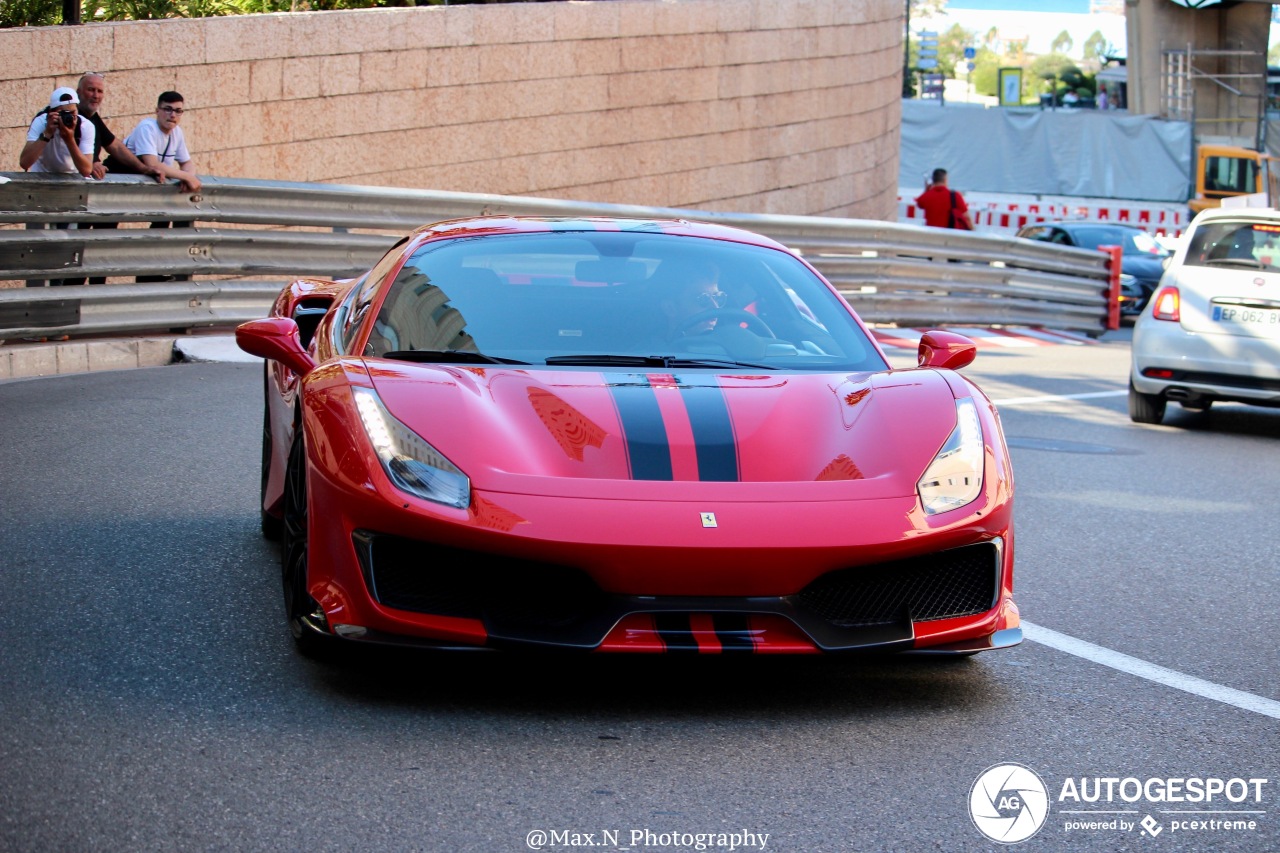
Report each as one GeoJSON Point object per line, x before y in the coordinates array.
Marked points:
{"type": "Point", "coordinates": [299, 606]}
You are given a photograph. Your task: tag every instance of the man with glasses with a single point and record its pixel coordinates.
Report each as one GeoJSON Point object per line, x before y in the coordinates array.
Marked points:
{"type": "Point", "coordinates": [159, 143]}
{"type": "Point", "coordinates": [690, 290]}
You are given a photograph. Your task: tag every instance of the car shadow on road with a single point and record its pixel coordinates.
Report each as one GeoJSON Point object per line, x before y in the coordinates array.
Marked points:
{"type": "Point", "coordinates": [611, 685]}
{"type": "Point", "coordinates": [1226, 419]}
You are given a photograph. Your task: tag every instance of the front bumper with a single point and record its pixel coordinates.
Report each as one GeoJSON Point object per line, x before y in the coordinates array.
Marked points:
{"type": "Point", "coordinates": [527, 603]}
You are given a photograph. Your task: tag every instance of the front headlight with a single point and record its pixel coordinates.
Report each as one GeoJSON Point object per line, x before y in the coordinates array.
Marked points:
{"type": "Point", "coordinates": [411, 463]}
{"type": "Point", "coordinates": [954, 477]}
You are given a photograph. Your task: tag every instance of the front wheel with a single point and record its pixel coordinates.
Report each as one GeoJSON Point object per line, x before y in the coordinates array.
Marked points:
{"type": "Point", "coordinates": [301, 610]}
{"type": "Point", "coordinates": [1145, 408]}
{"type": "Point", "coordinates": [272, 526]}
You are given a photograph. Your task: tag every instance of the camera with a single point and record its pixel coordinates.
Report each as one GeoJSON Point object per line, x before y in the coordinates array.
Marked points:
{"type": "Point", "coordinates": [67, 117]}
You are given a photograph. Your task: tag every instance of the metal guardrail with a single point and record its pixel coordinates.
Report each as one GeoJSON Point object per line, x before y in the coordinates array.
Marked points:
{"type": "Point", "coordinates": [891, 273]}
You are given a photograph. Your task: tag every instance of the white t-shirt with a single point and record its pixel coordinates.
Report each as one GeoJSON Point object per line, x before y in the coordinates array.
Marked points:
{"type": "Point", "coordinates": [55, 157]}
{"type": "Point", "coordinates": [147, 138]}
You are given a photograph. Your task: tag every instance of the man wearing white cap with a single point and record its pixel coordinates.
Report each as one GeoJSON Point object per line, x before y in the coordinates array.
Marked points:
{"type": "Point", "coordinates": [58, 141]}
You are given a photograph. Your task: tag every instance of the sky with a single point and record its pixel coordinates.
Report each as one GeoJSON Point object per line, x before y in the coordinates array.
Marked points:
{"type": "Point", "coordinates": [1017, 20]}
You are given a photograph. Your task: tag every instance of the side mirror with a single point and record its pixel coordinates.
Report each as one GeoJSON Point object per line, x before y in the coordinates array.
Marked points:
{"type": "Point", "coordinates": [275, 338]}
{"type": "Point", "coordinates": [945, 350]}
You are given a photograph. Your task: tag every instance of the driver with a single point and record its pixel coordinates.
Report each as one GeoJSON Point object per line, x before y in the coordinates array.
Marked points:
{"type": "Point", "coordinates": [688, 291]}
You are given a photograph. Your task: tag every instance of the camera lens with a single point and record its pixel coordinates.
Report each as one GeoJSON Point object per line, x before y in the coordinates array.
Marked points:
{"type": "Point", "coordinates": [68, 117]}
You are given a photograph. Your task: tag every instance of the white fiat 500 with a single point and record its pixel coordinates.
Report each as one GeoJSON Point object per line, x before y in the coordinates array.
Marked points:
{"type": "Point", "coordinates": [1212, 330]}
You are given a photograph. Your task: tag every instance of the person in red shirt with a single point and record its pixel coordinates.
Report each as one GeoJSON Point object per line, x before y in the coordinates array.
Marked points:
{"type": "Point", "coordinates": [943, 207]}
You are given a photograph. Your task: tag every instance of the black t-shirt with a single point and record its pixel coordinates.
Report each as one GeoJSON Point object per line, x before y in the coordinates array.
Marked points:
{"type": "Point", "coordinates": [103, 136]}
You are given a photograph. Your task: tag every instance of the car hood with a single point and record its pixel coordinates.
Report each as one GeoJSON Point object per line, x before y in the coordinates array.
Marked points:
{"type": "Point", "coordinates": [597, 434]}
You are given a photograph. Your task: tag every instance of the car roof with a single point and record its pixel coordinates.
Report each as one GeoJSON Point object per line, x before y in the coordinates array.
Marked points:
{"type": "Point", "coordinates": [493, 225]}
{"type": "Point", "coordinates": [1256, 214]}
{"type": "Point", "coordinates": [1068, 224]}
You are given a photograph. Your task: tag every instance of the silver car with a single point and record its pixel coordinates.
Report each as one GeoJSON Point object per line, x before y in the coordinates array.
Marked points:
{"type": "Point", "coordinates": [1212, 329]}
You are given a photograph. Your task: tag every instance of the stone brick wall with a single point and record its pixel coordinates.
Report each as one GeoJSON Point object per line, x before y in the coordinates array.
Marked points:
{"type": "Point", "coordinates": [731, 105]}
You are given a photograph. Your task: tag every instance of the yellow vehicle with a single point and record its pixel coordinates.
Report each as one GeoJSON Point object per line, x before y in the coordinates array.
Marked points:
{"type": "Point", "coordinates": [1224, 171]}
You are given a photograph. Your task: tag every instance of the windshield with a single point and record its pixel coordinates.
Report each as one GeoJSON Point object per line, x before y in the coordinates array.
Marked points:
{"type": "Point", "coordinates": [643, 300]}
{"type": "Point", "coordinates": [1255, 245]}
{"type": "Point", "coordinates": [1133, 242]}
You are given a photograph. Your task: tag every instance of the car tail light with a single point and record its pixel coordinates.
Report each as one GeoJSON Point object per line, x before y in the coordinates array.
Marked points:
{"type": "Point", "coordinates": [1167, 305]}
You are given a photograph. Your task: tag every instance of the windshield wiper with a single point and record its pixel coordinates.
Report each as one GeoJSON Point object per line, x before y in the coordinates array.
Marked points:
{"type": "Point", "coordinates": [449, 356]}
{"type": "Point", "coordinates": [1233, 262]}
{"type": "Point", "coordinates": [608, 360]}
{"type": "Point", "coordinates": [667, 361]}
{"type": "Point", "coordinates": [716, 362]}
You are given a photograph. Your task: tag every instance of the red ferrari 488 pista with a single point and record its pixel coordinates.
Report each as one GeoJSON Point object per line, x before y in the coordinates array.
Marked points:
{"type": "Point", "coordinates": [624, 436]}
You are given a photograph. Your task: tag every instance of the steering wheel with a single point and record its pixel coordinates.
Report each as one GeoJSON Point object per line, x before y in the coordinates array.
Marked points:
{"type": "Point", "coordinates": [731, 315]}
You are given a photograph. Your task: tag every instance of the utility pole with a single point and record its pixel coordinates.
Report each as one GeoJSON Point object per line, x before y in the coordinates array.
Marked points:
{"type": "Point", "coordinates": [906, 53]}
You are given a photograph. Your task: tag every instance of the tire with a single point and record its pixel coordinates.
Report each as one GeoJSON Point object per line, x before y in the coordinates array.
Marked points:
{"type": "Point", "coordinates": [1145, 408]}
{"type": "Point", "coordinates": [272, 526]}
{"type": "Point", "coordinates": [299, 607]}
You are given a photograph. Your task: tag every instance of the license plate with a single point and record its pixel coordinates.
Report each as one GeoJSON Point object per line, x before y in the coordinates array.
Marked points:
{"type": "Point", "coordinates": [1238, 315]}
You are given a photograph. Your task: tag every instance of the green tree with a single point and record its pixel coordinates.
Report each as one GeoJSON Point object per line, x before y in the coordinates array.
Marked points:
{"type": "Point", "coordinates": [1062, 43]}
{"type": "Point", "coordinates": [951, 45]}
{"type": "Point", "coordinates": [30, 13]}
{"type": "Point", "coordinates": [986, 72]}
{"type": "Point", "coordinates": [1097, 48]}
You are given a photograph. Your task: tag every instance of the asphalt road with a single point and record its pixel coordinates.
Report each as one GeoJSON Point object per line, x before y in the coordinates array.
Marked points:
{"type": "Point", "coordinates": [150, 698]}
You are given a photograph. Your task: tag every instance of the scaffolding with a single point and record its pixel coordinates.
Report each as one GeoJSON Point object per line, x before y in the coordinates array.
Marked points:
{"type": "Point", "coordinates": [1222, 93]}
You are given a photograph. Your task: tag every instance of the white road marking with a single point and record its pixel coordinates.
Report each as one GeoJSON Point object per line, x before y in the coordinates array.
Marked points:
{"type": "Point", "coordinates": [1050, 398]}
{"type": "Point", "coordinates": [1152, 672]}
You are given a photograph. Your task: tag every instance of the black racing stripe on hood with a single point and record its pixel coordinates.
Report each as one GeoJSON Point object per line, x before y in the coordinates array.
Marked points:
{"type": "Point", "coordinates": [712, 432]}
{"type": "Point", "coordinates": [643, 431]}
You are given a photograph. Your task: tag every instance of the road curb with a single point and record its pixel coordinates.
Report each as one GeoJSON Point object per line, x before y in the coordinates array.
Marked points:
{"type": "Point", "coordinates": [30, 360]}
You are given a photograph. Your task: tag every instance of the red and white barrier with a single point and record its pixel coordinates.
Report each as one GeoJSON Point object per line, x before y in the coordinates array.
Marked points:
{"type": "Point", "coordinates": [998, 213]}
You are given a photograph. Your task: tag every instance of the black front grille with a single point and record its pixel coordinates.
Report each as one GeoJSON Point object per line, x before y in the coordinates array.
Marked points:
{"type": "Point", "coordinates": [424, 577]}
{"type": "Point", "coordinates": [944, 585]}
